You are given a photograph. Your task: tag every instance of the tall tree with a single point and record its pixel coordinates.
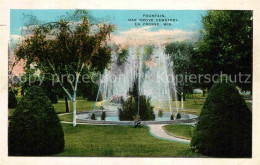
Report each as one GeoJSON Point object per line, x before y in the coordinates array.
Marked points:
{"type": "Point", "coordinates": [180, 54]}
{"type": "Point", "coordinates": [226, 46]}
{"type": "Point", "coordinates": [65, 47]}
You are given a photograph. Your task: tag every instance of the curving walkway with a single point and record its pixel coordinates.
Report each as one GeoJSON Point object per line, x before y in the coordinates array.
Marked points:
{"type": "Point", "coordinates": [158, 131]}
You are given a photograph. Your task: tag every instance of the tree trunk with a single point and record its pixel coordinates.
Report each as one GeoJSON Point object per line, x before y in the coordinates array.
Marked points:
{"type": "Point", "coordinates": [182, 100]}
{"type": "Point", "coordinates": [178, 97]}
{"type": "Point", "coordinates": [74, 98]}
{"type": "Point", "coordinates": [67, 104]}
{"type": "Point", "coordinates": [74, 111]}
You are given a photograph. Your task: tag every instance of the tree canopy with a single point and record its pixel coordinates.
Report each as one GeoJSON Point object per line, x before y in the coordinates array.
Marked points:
{"type": "Point", "coordinates": [180, 54]}
{"type": "Point", "coordinates": [225, 45]}
{"type": "Point", "coordinates": [64, 48]}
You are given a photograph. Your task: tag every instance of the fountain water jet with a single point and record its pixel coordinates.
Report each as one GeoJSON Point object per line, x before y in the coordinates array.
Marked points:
{"type": "Point", "coordinates": [173, 84]}
{"type": "Point", "coordinates": [114, 88]}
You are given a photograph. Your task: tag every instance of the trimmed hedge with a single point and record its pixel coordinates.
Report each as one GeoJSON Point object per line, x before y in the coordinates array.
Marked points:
{"type": "Point", "coordinates": [225, 125]}
{"type": "Point", "coordinates": [172, 116]}
{"type": "Point", "coordinates": [34, 127]}
{"type": "Point", "coordinates": [103, 115]}
{"type": "Point", "coordinates": [93, 116]}
{"type": "Point", "coordinates": [178, 116]}
{"type": "Point", "coordinates": [12, 102]}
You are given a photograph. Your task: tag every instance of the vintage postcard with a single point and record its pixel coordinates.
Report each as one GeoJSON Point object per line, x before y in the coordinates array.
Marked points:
{"type": "Point", "coordinates": [142, 85]}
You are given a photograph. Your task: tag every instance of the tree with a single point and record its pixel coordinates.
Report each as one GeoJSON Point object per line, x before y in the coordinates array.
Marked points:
{"type": "Point", "coordinates": [225, 46]}
{"type": "Point", "coordinates": [180, 54]}
{"type": "Point", "coordinates": [64, 48]}
{"type": "Point", "coordinates": [12, 102]}
{"type": "Point", "coordinates": [88, 88]}
{"type": "Point", "coordinates": [225, 123]}
{"type": "Point", "coordinates": [31, 78]}
{"type": "Point", "coordinates": [34, 127]}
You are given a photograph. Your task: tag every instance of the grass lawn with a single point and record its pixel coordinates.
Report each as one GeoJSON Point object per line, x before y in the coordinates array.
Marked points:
{"type": "Point", "coordinates": [180, 130]}
{"type": "Point", "coordinates": [195, 95]}
{"type": "Point", "coordinates": [60, 107]}
{"type": "Point", "coordinates": [90, 140]}
{"type": "Point", "coordinates": [192, 107]}
{"type": "Point", "coordinates": [194, 111]}
{"type": "Point", "coordinates": [68, 117]}
{"type": "Point", "coordinates": [82, 105]}
{"type": "Point", "coordinates": [190, 104]}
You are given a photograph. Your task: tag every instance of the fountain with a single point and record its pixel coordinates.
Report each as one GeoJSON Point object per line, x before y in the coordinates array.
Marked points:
{"type": "Point", "coordinates": [155, 74]}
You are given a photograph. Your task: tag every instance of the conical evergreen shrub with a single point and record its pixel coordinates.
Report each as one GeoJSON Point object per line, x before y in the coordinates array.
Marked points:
{"type": "Point", "coordinates": [225, 125]}
{"type": "Point", "coordinates": [34, 127]}
{"type": "Point", "coordinates": [130, 106]}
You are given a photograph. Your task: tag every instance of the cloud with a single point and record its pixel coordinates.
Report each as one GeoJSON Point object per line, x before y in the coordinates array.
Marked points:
{"type": "Point", "coordinates": [16, 37]}
{"type": "Point", "coordinates": [144, 35]}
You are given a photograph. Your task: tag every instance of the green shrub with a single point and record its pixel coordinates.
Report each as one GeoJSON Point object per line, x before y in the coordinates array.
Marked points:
{"type": "Point", "coordinates": [128, 110]}
{"type": "Point", "coordinates": [103, 115]}
{"type": "Point", "coordinates": [34, 127]}
{"type": "Point", "coordinates": [93, 116]}
{"type": "Point", "coordinates": [146, 109]}
{"type": "Point", "coordinates": [160, 113]}
{"type": "Point", "coordinates": [12, 102]}
{"type": "Point", "coordinates": [225, 125]}
{"type": "Point", "coordinates": [130, 106]}
{"type": "Point", "coordinates": [178, 116]}
{"type": "Point", "coordinates": [172, 117]}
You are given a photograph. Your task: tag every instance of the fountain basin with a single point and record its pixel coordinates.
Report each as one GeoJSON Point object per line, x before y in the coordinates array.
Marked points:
{"type": "Point", "coordinates": [112, 118]}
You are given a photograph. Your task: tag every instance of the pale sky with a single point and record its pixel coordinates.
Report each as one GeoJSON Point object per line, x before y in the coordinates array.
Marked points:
{"type": "Point", "coordinates": [185, 28]}
{"type": "Point", "coordinates": [185, 25]}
